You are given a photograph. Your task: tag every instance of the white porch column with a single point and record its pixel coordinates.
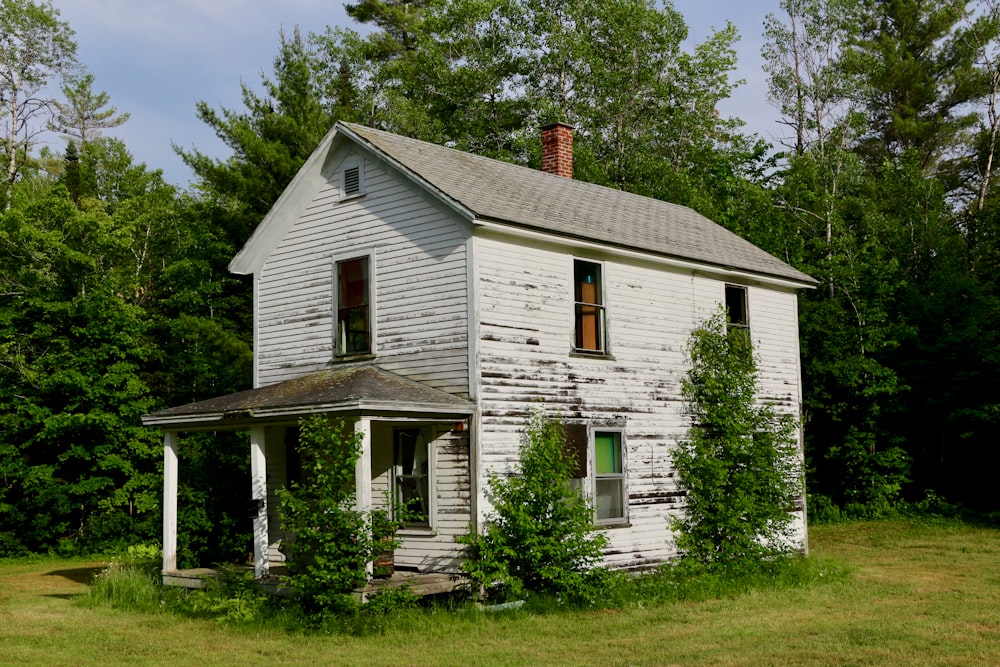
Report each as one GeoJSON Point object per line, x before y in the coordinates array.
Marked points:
{"type": "Point", "coordinates": [258, 481]}
{"type": "Point", "coordinates": [169, 501]}
{"type": "Point", "coordinates": [363, 468]}
{"type": "Point", "coordinates": [363, 472]}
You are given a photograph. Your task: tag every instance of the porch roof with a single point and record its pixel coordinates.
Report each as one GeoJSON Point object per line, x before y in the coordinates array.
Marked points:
{"type": "Point", "coordinates": [362, 389]}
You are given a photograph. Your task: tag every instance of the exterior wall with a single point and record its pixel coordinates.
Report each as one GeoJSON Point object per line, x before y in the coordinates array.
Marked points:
{"type": "Point", "coordinates": [525, 298]}
{"type": "Point", "coordinates": [421, 327]}
{"type": "Point", "coordinates": [433, 550]}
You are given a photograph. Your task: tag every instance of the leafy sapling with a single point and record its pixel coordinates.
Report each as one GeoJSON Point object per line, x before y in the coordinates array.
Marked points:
{"type": "Point", "coordinates": [739, 466]}
{"type": "Point", "coordinates": [539, 538]}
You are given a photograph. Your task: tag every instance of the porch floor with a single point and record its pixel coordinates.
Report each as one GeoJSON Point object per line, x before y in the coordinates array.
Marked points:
{"type": "Point", "coordinates": [421, 584]}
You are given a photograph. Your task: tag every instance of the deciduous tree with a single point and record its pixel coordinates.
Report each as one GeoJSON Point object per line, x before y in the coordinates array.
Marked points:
{"type": "Point", "coordinates": [35, 47]}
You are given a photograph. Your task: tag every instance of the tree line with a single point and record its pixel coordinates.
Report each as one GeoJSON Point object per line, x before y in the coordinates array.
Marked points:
{"type": "Point", "coordinates": [115, 299]}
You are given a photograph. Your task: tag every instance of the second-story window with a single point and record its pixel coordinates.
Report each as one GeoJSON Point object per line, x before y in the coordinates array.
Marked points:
{"type": "Point", "coordinates": [737, 312]}
{"type": "Point", "coordinates": [353, 307]}
{"type": "Point", "coordinates": [588, 296]}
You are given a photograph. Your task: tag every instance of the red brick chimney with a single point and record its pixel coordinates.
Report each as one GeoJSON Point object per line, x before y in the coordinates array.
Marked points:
{"type": "Point", "coordinates": [557, 149]}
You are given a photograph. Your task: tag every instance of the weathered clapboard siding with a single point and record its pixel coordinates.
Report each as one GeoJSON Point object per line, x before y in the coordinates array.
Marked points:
{"type": "Point", "coordinates": [525, 297]}
{"type": "Point", "coordinates": [774, 325]}
{"type": "Point", "coordinates": [420, 274]}
{"type": "Point", "coordinates": [434, 550]}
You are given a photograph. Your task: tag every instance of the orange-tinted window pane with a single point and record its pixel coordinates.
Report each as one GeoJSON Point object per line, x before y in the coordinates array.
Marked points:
{"type": "Point", "coordinates": [353, 314]}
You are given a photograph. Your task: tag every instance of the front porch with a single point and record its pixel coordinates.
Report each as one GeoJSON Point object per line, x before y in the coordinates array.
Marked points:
{"type": "Point", "coordinates": [416, 447]}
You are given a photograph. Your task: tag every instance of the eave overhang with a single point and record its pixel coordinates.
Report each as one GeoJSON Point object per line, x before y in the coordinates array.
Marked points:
{"type": "Point", "coordinates": [357, 390]}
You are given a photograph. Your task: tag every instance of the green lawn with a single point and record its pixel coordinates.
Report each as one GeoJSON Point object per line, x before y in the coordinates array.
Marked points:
{"type": "Point", "coordinates": [917, 595]}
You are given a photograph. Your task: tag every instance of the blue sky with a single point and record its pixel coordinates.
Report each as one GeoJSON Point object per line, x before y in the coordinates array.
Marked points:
{"type": "Point", "coordinates": [157, 58]}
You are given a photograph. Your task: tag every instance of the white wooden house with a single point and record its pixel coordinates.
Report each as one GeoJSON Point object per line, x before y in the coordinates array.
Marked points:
{"type": "Point", "coordinates": [434, 297]}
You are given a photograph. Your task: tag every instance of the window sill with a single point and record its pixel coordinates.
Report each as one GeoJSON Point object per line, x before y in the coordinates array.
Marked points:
{"type": "Point", "coordinates": [582, 354]}
{"type": "Point", "coordinates": [610, 525]}
{"type": "Point", "coordinates": [357, 195]}
{"type": "Point", "coordinates": [417, 532]}
{"type": "Point", "coordinates": [348, 358]}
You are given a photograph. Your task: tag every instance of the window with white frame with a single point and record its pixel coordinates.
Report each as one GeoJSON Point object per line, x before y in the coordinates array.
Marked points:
{"type": "Point", "coordinates": [599, 469]}
{"type": "Point", "coordinates": [588, 303]}
{"type": "Point", "coordinates": [609, 477]}
{"type": "Point", "coordinates": [353, 306]}
{"type": "Point", "coordinates": [411, 478]}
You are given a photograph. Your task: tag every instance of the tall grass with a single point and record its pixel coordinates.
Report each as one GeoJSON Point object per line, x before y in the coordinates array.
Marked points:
{"type": "Point", "coordinates": [127, 587]}
{"type": "Point", "coordinates": [234, 600]}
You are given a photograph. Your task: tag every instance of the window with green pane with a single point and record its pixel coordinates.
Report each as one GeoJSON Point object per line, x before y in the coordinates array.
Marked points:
{"type": "Point", "coordinates": [609, 477]}
{"type": "Point", "coordinates": [353, 314]}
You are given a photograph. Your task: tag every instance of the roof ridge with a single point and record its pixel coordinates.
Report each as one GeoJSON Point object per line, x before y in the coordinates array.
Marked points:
{"type": "Point", "coordinates": [517, 195]}
{"type": "Point", "coordinates": [530, 171]}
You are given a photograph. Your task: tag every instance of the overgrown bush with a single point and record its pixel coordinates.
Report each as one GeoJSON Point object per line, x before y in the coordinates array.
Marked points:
{"type": "Point", "coordinates": [739, 465]}
{"type": "Point", "coordinates": [539, 537]}
{"type": "Point", "coordinates": [333, 542]}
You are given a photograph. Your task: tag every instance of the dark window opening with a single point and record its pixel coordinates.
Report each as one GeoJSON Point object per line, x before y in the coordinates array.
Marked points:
{"type": "Point", "coordinates": [736, 306]}
{"type": "Point", "coordinates": [353, 313]}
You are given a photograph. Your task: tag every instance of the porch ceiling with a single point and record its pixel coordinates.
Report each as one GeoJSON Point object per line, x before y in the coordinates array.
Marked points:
{"type": "Point", "coordinates": [362, 389]}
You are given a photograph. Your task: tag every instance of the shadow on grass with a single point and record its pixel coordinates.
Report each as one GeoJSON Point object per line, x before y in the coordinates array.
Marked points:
{"type": "Point", "coordinates": [79, 575]}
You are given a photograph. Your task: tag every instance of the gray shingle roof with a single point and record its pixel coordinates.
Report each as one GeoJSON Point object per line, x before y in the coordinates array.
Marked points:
{"type": "Point", "coordinates": [507, 193]}
{"type": "Point", "coordinates": [354, 388]}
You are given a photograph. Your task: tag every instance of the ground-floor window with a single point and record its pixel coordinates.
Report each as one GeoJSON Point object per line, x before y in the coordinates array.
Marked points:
{"type": "Point", "coordinates": [412, 476]}
{"type": "Point", "coordinates": [609, 477]}
{"type": "Point", "coordinates": [599, 471]}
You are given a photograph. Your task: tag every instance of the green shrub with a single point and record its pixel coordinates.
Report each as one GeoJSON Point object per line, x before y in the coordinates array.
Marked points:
{"type": "Point", "coordinates": [539, 537]}
{"type": "Point", "coordinates": [821, 509]}
{"type": "Point", "coordinates": [739, 464]}
{"type": "Point", "coordinates": [232, 598]}
{"type": "Point", "coordinates": [333, 542]}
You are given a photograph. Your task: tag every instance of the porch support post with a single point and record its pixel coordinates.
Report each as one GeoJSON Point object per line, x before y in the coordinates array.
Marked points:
{"type": "Point", "coordinates": [363, 473]}
{"type": "Point", "coordinates": [258, 481]}
{"type": "Point", "coordinates": [169, 501]}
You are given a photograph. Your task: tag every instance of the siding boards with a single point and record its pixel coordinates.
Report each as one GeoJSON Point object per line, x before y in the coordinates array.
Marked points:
{"type": "Point", "coordinates": [526, 323]}
{"type": "Point", "coordinates": [435, 550]}
{"type": "Point", "coordinates": [421, 301]}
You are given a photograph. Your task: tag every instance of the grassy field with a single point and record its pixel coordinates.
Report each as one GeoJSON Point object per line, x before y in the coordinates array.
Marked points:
{"type": "Point", "coordinates": [916, 595]}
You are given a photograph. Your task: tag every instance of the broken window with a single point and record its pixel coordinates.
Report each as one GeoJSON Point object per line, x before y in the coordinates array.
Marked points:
{"type": "Point", "coordinates": [353, 311]}
{"type": "Point", "coordinates": [589, 307]}
{"type": "Point", "coordinates": [412, 477]}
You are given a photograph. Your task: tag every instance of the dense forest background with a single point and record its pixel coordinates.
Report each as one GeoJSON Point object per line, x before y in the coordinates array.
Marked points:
{"type": "Point", "coordinates": [115, 300]}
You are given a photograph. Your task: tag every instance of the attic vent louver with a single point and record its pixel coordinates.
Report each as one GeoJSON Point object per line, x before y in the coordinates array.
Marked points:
{"type": "Point", "coordinates": [352, 181]}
